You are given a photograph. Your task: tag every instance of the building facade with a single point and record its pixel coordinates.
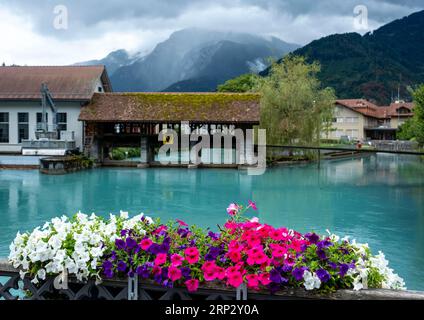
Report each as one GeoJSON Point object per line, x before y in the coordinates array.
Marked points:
{"type": "Point", "coordinates": [20, 101]}
{"type": "Point", "coordinates": [359, 119]}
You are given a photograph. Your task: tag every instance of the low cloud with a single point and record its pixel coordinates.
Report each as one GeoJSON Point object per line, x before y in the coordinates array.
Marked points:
{"type": "Point", "coordinates": [97, 27]}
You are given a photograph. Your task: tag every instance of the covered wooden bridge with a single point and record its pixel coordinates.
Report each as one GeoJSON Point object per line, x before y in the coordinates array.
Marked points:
{"type": "Point", "coordinates": [135, 119]}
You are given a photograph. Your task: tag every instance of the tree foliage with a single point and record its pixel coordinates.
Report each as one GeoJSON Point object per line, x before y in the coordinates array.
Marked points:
{"type": "Point", "coordinates": [414, 128]}
{"type": "Point", "coordinates": [294, 107]}
{"type": "Point", "coordinates": [244, 83]}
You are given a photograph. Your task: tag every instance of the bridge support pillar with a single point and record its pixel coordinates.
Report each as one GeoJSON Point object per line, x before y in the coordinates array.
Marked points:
{"type": "Point", "coordinates": [146, 154]}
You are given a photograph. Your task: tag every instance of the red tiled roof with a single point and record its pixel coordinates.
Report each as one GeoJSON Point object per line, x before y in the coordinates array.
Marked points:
{"type": "Point", "coordinates": [364, 107]}
{"type": "Point", "coordinates": [371, 110]}
{"type": "Point", "coordinates": [64, 82]}
{"type": "Point", "coordinates": [394, 106]}
{"type": "Point", "coordinates": [173, 107]}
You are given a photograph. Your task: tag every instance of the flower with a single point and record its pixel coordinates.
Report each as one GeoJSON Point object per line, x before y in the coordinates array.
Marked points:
{"type": "Point", "coordinates": [174, 273]}
{"type": "Point", "coordinates": [191, 255]}
{"type": "Point", "coordinates": [233, 209]}
{"type": "Point", "coordinates": [312, 237]}
{"type": "Point", "coordinates": [145, 243]}
{"type": "Point", "coordinates": [181, 222]}
{"type": "Point", "coordinates": [235, 256]}
{"type": "Point", "coordinates": [160, 259]}
{"type": "Point", "coordinates": [122, 266]}
{"type": "Point", "coordinates": [234, 279]}
{"type": "Point", "coordinates": [298, 273]}
{"type": "Point", "coordinates": [252, 281]}
{"type": "Point", "coordinates": [277, 250]}
{"type": "Point", "coordinates": [252, 205]}
{"type": "Point", "coordinates": [264, 279]}
{"type": "Point", "coordinates": [323, 275]}
{"type": "Point", "coordinates": [311, 281]}
{"type": "Point", "coordinates": [176, 260]}
{"type": "Point", "coordinates": [245, 251]}
{"type": "Point", "coordinates": [192, 285]}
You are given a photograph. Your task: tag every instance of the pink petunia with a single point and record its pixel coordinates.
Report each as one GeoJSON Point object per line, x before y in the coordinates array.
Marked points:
{"type": "Point", "coordinates": [160, 259]}
{"type": "Point", "coordinates": [264, 279]}
{"type": "Point", "coordinates": [176, 260]}
{"type": "Point", "coordinates": [252, 205]}
{"type": "Point", "coordinates": [174, 273]}
{"type": "Point", "coordinates": [233, 209]}
{"type": "Point", "coordinates": [181, 223]}
{"type": "Point", "coordinates": [235, 279]}
{"type": "Point", "coordinates": [191, 255]}
{"type": "Point", "coordinates": [145, 243]}
{"type": "Point", "coordinates": [234, 255]}
{"type": "Point", "coordinates": [220, 273]}
{"type": "Point", "coordinates": [252, 281]}
{"type": "Point", "coordinates": [277, 250]}
{"type": "Point", "coordinates": [192, 285]}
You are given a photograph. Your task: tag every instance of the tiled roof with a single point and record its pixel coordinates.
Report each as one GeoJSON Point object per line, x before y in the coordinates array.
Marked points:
{"type": "Point", "coordinates": [64, 82]}
{"type": "Point", "coordinates": [173, 107]}
{"type": "Point", "coordinates": [394, 106]}
{"type": "Point", "coordinates": [364, 107]}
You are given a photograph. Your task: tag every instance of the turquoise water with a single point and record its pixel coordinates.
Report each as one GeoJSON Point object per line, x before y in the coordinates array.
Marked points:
{"type": "Point", "coordinates": [376, 199]}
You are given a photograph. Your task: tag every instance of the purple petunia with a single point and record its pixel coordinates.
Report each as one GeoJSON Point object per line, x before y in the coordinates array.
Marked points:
{"type": "Point", "coordinates": [323, 275]}
{"type": "Point", "coordinates": [287, 268]}
{"type": "Point", "coordinates": [298, 273]}
{"type": "Point", "coordinates": [324, 244]}
{"type": "Point", "coordinates": [275, 276]}
{"type": "Point", "coordinates": [186, 272]}
{"type": "Point", "coordinates": [344, 268]}
{"type": "Point", "coordinates": [120, 244]}
{"type": "Point", "coordinates": [130, 243]}
{"type": "Point", "coordinates": [122, 266]}
{"type": "Point", "coordinates": [143, 271]}
{"type": "Point", "coordinates": [312, 237]}
{"type": "Point", "coordinates": [108, 273]}
{"type": "Point", "coordinates": [321, 254]}
{"type": "Point", "coordinates": [212, 235]}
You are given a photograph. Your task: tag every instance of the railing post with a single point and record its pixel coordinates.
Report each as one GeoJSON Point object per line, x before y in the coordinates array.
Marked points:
{"type": "Point", "coordinates": [241, 293]}
{"type": "Point", "coordinates": [133, 287]}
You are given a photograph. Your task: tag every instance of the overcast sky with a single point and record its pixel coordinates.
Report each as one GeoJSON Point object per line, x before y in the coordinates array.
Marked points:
{"type": "Point", "coordinates": [33, 33]}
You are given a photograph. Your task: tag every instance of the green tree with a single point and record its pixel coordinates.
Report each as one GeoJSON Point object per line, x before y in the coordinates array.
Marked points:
{"type": "Point", "coordinates": [294, 107]}
{"type": "Point", "coordinates": [414, 128]}
{"type": "Point", "coordinates": [244, 83]}
{"type": "Point", "coordinates": [418, 118]}
{"type": "Point", "coordinates": [407, 130]}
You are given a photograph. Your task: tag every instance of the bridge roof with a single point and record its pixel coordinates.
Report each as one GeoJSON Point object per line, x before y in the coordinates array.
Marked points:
{"type": "Point", "coordinates": [173, 107]}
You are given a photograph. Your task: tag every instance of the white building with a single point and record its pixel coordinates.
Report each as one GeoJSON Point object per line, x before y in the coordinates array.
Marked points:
{"type": "Point", "coordinates": [20, 101]}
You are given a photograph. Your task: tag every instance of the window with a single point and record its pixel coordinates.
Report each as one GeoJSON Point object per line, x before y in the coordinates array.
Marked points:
{"type": "Point", "coordinates": [61, 119]}
{"type": "Point", "coordinates": [353, 133]}
{"type": "Point", "coordinates": [40, 120]}
{"type": "Point", "coordinates": [22, 126]}
{"type": "Point", "coordinates": [352, 119]}
{"type": "Point", "coordinates": [340, 120]}
{"type": "Point", "coordinates": [4, 127]}
{"type": "Point", "coordinates": [100, 89]}
{"type": "Point", "coordinates": [339, 133]}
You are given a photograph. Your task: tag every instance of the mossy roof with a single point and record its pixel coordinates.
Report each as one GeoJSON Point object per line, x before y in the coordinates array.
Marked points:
{"type": "Point", "coordinates": [173, 107]}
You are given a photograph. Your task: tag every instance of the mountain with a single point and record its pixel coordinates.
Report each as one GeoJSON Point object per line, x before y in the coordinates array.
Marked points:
{"type": "Point", "coordinates": [112, 61]}
{"type": "Point", "coordinates": [197, 60]}
{"type": "Point", "coordinates": [371, 66]}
